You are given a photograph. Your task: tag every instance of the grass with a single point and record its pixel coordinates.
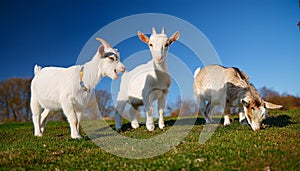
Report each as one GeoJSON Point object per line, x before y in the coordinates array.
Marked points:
{"type": "Point", "coordinates": [236, 147]}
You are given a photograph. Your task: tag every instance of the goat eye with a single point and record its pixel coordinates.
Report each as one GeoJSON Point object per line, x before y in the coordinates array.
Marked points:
{"type": "Point", "coordinates": [151, 45]}
{"type": "Point", "coordinates": [166, 45]}
{"type": "Point", "coordinates": [111, 58]}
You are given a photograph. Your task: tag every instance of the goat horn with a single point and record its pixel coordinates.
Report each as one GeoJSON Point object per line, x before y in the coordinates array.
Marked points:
{"type": "Point", "coordinates": [106, 45]}
{"type": "Point", "coordinates": [163, 30]}
{"type": "Point", "coordinates": [153, 30]}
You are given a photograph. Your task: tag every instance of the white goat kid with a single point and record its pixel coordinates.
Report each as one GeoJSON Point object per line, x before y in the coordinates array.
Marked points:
{"type": "Point", "coordinates": [70, 88]}
{"type": "Point", "coordinates": [147, 83]}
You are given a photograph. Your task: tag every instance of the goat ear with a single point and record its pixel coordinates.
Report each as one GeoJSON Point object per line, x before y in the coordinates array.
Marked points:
{"type": "Point", "coordinates": [269, 105]}
{"type": "Point", "coordinates": [101, 51]}
{"type": "Point", "coordinates": [143, 37]}
{"type": "Point", "coordinates": [174, 37]}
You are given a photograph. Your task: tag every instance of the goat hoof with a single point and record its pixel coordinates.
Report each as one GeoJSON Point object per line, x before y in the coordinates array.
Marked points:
{"type": "Point", "coordinates": [161, 125]}
{"type": "Point", "coordinates": [135, 124]}
{"type": "Point", "coordinates": [226, 124]}
{"type": "Point", "coordinates": [76, 137]}
{"type": "Point", "coordinates": [150, 127]}
{"type": "Point", "coordinates": [38, 135]}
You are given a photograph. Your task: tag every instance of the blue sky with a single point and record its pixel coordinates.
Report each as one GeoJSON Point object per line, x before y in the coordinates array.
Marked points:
{"type": "Point", "coordinates": [260, 37]}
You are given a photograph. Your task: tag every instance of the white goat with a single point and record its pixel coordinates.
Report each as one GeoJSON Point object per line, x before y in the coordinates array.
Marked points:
{"type": "Point", "coordinates": [70, 88]}
{"type": "Point", "coordinates": [230, 88]}
{"type": "Point", "coordinates": [147, 83]}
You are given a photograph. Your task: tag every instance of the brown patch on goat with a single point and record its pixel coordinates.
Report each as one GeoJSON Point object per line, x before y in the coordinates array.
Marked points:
{"type": "Point", "coordinates": [249, 113]}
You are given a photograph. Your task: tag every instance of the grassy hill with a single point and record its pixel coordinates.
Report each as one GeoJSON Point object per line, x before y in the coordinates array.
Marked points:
{"type": "Point", "coordinates": [235, 147]}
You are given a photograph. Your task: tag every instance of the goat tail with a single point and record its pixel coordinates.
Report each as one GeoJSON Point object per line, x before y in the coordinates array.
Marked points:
{"type": "Point", "coordinates": [196, 72]}
{"type": "Point", "coordinates": [37, 69]}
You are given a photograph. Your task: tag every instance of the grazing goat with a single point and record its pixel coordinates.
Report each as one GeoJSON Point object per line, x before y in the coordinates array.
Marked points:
{"type": "Point", "coordinates": [71, 89]}
{"type": "Point", "coordinates": [230, 88]}
{"type": "Point", "coordinates": [147, 83]}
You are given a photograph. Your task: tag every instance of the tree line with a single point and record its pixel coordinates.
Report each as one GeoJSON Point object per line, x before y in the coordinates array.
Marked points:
{"type": "Point", "coordinates": [15, 102]}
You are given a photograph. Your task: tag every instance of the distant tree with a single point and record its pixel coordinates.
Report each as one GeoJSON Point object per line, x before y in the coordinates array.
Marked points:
{"type": "Point", "coordinates": [183, 107]}
{"type": "Point", "coordinates": [15, 99]}
{"type": "Point", "coordinates": [104, 101]}
{"type": "Point", "coordinates": [271, 95]}
{"type": "Point", "coordinates": [288, 101]}
{"type": "Point", "coordinates": [105, 105]}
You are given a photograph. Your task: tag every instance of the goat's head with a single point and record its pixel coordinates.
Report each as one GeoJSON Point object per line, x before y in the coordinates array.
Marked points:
{"type": "Point", "coordinates": [111, 64]}
{"type": "Point", "coordinates": [158, 43]}
{"type": "Point", "coordinates": [256, 110]}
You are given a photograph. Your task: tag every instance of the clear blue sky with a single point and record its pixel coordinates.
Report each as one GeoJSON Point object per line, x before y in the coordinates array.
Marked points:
{"type": "Point", "coordinates": [259, 36]}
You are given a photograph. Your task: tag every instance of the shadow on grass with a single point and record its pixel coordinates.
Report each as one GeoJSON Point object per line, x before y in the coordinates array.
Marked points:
{"type": "Point", "coordinates": [127, 127]}
{"type": "Point", "coordinates": [168, 123]}
{"type": "Point", "coordinates": [278, 121]}
{"type": "Point", "coordinates": [185, 121]}
{"type": "Point", "coordinates": [272, 121]}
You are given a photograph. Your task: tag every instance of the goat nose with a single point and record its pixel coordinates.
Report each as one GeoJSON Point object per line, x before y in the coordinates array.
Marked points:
{"type": "Point", "coordinates": [255, 129]}
{"type": "Point", "coordinates": [123, 68]}
{"type": "Point", "coordinates": [159, 58]}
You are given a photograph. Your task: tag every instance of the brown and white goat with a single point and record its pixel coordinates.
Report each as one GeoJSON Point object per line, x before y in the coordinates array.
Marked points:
{"type": "Point", "coordinates": [215, 85]}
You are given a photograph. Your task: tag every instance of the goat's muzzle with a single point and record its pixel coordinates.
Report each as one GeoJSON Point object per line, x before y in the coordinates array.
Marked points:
{"type": "Point", "coordinates": [122, 69]}
{"type": "Point", "coordinates": [159, 59]}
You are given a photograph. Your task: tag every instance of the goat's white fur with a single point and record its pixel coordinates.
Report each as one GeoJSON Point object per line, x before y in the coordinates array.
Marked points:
{"type": "Point", "coordinates": [147, 83]}
{"type": "Point", "coordinates": [55, 88]}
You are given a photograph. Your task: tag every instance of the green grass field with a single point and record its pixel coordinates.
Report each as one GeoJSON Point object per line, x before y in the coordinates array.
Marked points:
{"type": "Point", "coordinates": [235, 147]}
